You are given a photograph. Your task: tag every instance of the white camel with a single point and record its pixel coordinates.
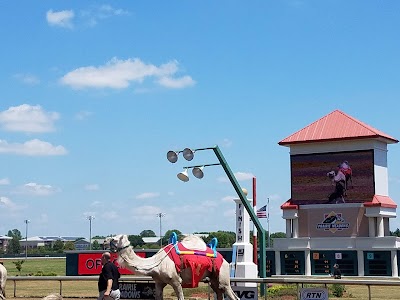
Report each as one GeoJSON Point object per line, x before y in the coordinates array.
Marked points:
{"type": "Point", "coordinates": [162, 268]}
{"type": "Point", "coordinates": [3, 279]}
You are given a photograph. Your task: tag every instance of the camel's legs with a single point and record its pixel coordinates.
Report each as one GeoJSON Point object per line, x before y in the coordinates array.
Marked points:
{"type": "Point", "coordinates": [178, 289]}
{"type": "Point", "coordinates": [221, 290]}
{"type": "Point", "coordinates": [230, 293]}
{"type": "Point", "coordinates": [217, 290]}
{"type": "Point", "coordinates": [159, 290]}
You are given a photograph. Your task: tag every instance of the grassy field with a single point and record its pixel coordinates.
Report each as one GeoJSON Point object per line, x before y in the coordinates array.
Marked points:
{"type": "Point", "coordinates": [30, 290]}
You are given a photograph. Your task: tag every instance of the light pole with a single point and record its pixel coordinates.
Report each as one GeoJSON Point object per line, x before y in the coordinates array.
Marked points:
{"type": "Point", "coordinates": [188, 154]}
{"type": "Point", "coordinates": [26, 238]}
{"type": "Point", "coordinates": [160, 215]}
{"type": "Point", "coordinates": [90, 218]}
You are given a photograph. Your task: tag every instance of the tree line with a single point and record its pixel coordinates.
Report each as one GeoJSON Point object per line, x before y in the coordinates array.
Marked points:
{"type": "Point", "coordinates": [225, 240]}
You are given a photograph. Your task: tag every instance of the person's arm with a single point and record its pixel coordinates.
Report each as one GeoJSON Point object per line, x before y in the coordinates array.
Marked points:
{"type": "Point", "coordinates": [109, 286]}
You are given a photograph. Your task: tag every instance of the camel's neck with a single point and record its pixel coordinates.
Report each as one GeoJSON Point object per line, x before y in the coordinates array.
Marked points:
{"type": "Point", "coordinates": [136, 263]}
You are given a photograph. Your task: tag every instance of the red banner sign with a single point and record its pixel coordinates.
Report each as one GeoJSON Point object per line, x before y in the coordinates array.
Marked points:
{"type": "Point", "coordinates": [90, 263]}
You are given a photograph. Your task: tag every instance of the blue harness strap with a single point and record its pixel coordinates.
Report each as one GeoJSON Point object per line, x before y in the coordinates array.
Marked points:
{"type": "Point", "coordinates": [173, 239]}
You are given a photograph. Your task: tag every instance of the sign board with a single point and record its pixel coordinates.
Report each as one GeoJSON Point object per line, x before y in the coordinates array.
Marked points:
{"type": "Point", "coordinates": [137, 290]}
{"type": "Point", "coordinates": [314, 294]}
{"type": "Point", "coordinates": [245, 292]}
{"type": "Point", "coordinates": [338, 255]}
{"type": "Point", "coordinates": [90, 263]}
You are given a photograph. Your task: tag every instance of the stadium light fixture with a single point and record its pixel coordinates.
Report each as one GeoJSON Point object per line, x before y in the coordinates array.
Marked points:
{"type": "Point", "coordinates": [197, 171]}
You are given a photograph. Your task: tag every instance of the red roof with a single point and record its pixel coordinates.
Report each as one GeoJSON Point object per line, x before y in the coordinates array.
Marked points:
{"type": "Point", "coordinates": [381, 201]}
{"type": "Point", "coordinates": [288, 205]}
{"type": "Point", "coordinates": [335, 126]}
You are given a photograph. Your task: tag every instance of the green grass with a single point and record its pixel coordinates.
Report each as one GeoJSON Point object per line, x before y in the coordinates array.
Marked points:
{"type": "Point", "coordinates": [88, 289]}
{"type": "Point", "coordinates": [48, 267]}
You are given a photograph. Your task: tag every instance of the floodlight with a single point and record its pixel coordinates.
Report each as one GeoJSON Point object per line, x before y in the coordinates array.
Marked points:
{"type": "Point", "coordinates": [183, 175]}
{"type": "Point", "coordinates": [198, 172]}
{"type": "Point", "coordinates": [172, 156]}
{"type": "Point", "coordinates": [188, 154]}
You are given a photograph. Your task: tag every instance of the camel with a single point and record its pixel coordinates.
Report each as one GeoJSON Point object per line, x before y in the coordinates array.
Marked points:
{"type": "Point", "coordinates": [164, 270]}
{"type": "Point", "coordinates": [3, 279]}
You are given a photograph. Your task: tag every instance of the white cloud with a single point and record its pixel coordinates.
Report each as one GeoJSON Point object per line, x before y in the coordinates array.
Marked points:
{"type": "Point", "coordinates": [4, 201]}
{"type": "Point", "coordinates": [146, 212]}
{"type": "Point", "coordinates": [96, 203]}
{"type": "Point", "coordinates": [4, 181]}
{"type": "Point", "coordinates": [83, 115]}
{"type": "Point", "coordinates": [176, 83]}
{"type": "Point", "coordinates": [61, 18]}
{"type": "Point", "coordinates": [93, 15]}
{"type": "Point", "coordinates": [92, 187]}
{"type": "Point", "coordinates": [32, 148]}
{"type": "Point", "coordinates": [226, 143]}
{"type": "Point", "coordinates": [27, 79]}
{"type": "Point", "coordinates": [38, 189]}
{"type": "Point", "coordinates": [28, 118]}
{"type": "Point", "coordinates": [240, 176]}
{"type": "Point", "coordinates": [119, 74]}
{"type": "Point", "coordinates": [229, 198]}
{"type": "Point", "coordinates": [147, 195]}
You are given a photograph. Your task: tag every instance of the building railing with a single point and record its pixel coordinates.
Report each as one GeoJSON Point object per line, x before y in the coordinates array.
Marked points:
{"type": "Point", "coordinates": [279, 279]}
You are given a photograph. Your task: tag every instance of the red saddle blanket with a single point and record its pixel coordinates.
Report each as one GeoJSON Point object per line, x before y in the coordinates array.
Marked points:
{"type": "Point", "coordinates": [198, 262]}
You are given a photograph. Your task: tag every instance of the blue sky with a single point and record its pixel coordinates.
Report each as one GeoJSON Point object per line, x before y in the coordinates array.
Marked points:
{"type": "Point", "coordinates": [94, 94]}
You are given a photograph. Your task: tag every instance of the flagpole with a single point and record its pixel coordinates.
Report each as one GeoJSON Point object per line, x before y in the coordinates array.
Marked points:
{"type": "Point", "coordinates": [269, 233]}
{"type": "Point", "coordinates": [255, 248]}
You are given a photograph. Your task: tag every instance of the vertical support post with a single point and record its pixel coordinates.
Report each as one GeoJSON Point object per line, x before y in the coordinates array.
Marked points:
{"type": "Point", "coordinates": [160, 215]}
{"type": "Point", "coordinates": [26, 238]}
{"type": "Point", "coordinates": [249, 210]}
{"type": "Point", "coordinates": [255, 246]}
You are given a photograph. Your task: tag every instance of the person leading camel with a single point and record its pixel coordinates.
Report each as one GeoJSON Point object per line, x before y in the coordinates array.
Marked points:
{"type": "Point", "coordinates": [108, 283]}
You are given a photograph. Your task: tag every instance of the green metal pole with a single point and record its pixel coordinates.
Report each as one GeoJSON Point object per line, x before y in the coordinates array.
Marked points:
{"type": "Point", "coordinates": [249, 209]}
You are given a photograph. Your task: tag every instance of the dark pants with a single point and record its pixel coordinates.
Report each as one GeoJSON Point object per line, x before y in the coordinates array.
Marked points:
{"type": "Point", "coordinates": [338, 193]}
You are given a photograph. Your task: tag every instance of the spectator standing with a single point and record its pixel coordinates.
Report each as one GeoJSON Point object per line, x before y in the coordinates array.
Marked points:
{"type": "Point", "coordinates": [108, 283]}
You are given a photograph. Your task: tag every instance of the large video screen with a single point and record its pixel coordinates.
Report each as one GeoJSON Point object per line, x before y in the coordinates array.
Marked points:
{"type": "Point", "coordinates": [339, 177]}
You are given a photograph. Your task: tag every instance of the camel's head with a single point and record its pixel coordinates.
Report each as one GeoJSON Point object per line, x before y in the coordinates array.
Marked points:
{"type": "Point", "coordinates": [118, 242]}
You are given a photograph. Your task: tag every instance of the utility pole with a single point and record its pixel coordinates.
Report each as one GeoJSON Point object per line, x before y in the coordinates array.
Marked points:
{"type": "Point", "coordinates": [90, 218]}
{"type": "Point", "coordinates": [26, 238]}
{"type": "Point", "coordinates": [160, 215]}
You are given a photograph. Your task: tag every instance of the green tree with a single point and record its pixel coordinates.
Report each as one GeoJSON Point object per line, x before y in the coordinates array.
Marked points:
{"type": "Point", "coordinates": [100, 237]}
{"type": "Point", "coordinates": [148, 233]}
{"type": "Point", "coordinates": [276, 235]}
{"type": "Point", "coordinates": [395, 233]}
{"type": "Point", "coordinates": [58, 246]}
{"type": "Point", "coordinates": [96, 245]}
{"type": "Point", "coordinates": [14, 246]}
{"type": "Point", "coordinates": [136, 240]}
{"type": "Point", "coordinates": [225, 238]}
{"type": "Point", "coordinates": [167, 235]}
{"type": "Point", "coordinates": [15, 233]}
{"type": "Point", "coordinates": [69, 245]}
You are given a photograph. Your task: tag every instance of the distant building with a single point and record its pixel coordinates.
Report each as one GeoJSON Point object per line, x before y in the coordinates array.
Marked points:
{"type": "Point", "coordinates": [41, 241]}
{"type": "Point", "coordinates": [4, 240]}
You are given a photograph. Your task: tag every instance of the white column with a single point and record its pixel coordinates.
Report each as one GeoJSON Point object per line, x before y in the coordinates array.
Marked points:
{"type": "Point", "coordinates": [393, 256]}
{"type": "Point", "coordinates": [371, 226]}
{"type": "Point", "coordinates": [360, 259]}
{"type": "Point", "coordinates": [288, 228]}
{"type": "Point", "coordinates": [307, 270]}
{"type": "Point", "coordinates": [278, 263]}
{"type": "Point", "coordinates": [380, 226]}
{"type": "Point", "coordinates": [295, 228]}
{"type": "Point", "coordinates": [245, 267]}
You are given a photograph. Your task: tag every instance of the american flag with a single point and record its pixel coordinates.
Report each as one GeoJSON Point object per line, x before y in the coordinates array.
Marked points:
{"type": "Point", "coordinates": [262, 212]}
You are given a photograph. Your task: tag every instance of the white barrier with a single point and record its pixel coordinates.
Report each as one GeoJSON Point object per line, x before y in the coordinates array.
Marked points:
{"type": "Point", "coordinates": [287, 280]}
